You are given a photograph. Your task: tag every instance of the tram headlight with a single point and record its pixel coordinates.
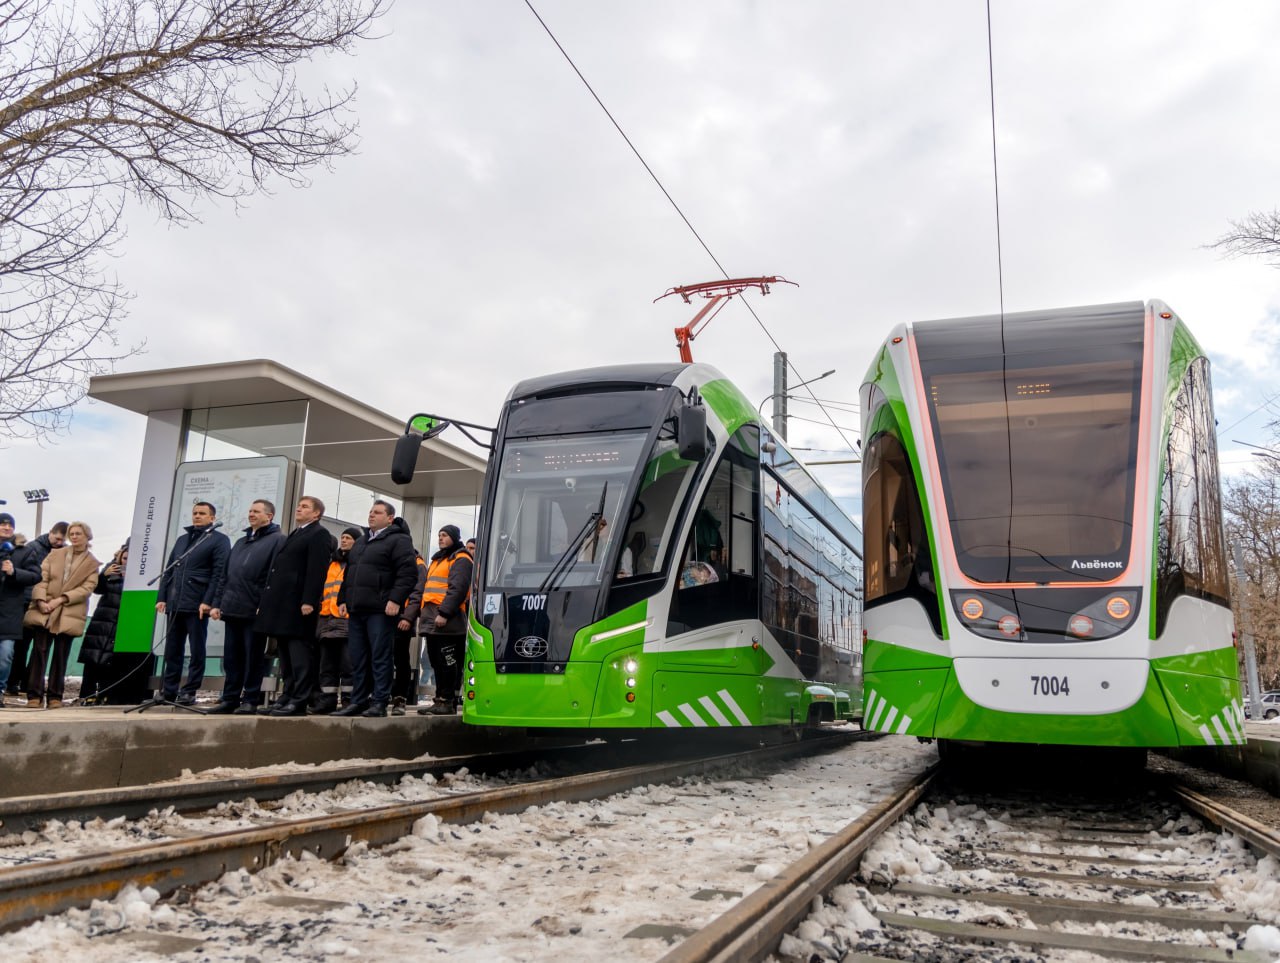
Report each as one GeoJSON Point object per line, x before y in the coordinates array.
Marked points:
{"type": "Point", "coordinates": [1080, 626]}
{"type": "Point", "coordinates": [1118, 607]}
{"type": "Point", "coordinates": [972, 609]}
{"type": "Point", "coordinates": [471, 665]}
{"type": "Point", "coordinates": [1010, 625]}
{"type": "Point", "coordinates": [631, 683]}
{"type": "Point", "coordinates": [630, 666]}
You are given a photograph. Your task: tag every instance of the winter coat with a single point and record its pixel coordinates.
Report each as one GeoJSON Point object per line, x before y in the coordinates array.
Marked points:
{"type": "Point", "coordinates": [39, 549]}
{"type": "Point", "coordinates": [413, 606]}
{"type": "Point", "coordinates": [15, 591]}
{"type": "Point", "coordinates": [100, 638]}
{"type": "Point", "coordinates": [248, 565]}
{"type": "Point", "coordinates": [71, 577]}
{"type": "Point", "coordinates": [379, 570]}
{"type": "Point", "coordinates": [196, 580]}
{"type": "Point", "coordinates": [296, 579]}
{"type": "Point", "coordinates": [450, 567]}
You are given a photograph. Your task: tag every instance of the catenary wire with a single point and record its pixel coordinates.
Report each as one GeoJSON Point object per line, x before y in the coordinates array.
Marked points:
{"type": "Point", "coordinates": [667, 194]}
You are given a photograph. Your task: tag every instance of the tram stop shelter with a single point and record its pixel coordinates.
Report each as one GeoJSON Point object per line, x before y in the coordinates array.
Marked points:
{"type": "Point", "coordinates": [234, 432]}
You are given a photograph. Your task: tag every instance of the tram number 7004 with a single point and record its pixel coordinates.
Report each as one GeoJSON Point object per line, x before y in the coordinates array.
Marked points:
{"type": "Point", "coordinates": [1050, 685]}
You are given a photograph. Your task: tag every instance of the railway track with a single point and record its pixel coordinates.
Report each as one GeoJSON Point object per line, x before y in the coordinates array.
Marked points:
{"type": "Point", "coordinates": [929, 871]}
{"type": "Point", "coordinates": [1017, 877]}
{"type": "Point", "coordinates": [34, 891]}
{"type": "Point", "coordinates": [24, 813]}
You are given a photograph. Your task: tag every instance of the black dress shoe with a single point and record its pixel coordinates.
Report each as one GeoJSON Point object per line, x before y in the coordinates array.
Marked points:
{"type": "Point", "coordinates": [324, 709]}
{"type": "Point", "coordinates": [246, 709]}
{"type": "Point", "coordinates": [185, 699]}
{"type": "Point", "coordinates": [376, 711]}
{"type": "Point", "coordinates": [355, 709]}
{"type": "Point", "coordinates": [289, 709]}
{"type": "Point", "coordinates": [222, 709]}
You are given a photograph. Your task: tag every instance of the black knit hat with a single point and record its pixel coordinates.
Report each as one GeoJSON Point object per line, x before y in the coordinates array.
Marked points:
{"type": "Point", "coordinates": [454, 532]}
{"type": "Point", "coordinates": [354, 532]}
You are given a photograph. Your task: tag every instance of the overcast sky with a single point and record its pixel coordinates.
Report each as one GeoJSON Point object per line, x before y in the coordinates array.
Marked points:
{"type": "Point", "coordinates": [494, 224]}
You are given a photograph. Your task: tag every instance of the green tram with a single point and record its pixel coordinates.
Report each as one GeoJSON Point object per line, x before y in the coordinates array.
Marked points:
{"type": "Point", "coordinates": [1044, 550]}
{"type": "Point", "coordinates": [652, 557]}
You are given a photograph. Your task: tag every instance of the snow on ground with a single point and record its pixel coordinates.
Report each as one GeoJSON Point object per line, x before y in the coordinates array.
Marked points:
{"type": "Point", "coordinates": [563, 881]}
{"type": "Point", "coordinates": [61, 840]}
{"type": "Point", "coordinates": [916, 850]}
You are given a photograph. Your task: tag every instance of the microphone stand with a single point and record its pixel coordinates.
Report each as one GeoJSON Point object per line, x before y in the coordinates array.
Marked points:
{"type": "Point", "coordinates": [157, 698]}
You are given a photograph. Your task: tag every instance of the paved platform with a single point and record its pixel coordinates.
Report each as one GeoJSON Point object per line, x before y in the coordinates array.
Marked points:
{"type": "Point", "coordinates": [61, 750]}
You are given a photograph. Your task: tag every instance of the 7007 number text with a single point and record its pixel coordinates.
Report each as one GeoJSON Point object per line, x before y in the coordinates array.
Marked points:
{"type": "Point", "coordinates": [1050, 685]}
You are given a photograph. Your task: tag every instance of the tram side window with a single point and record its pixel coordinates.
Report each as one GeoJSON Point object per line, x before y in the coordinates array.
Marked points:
{"type": "Point", "coordinates": [897, 557]}
{"type": "Point", "coordinates": [716, 578]}
{"type": "Point", "coordinates": [1191, 553]}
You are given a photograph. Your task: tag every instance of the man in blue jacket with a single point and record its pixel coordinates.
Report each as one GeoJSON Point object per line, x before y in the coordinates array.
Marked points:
{"type": "Point", "coordinates": [190, 590]}
{"type": "Point", "coordinates": [244, 650]}
{"type": "Point", "coordinates": [19, 571]}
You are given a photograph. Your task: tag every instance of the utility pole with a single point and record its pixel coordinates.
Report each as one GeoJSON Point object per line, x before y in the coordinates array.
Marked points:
{"type": "Point", "coordinates": [780, 394]}
{"type": "Point", "coordinates": [1246, 640]}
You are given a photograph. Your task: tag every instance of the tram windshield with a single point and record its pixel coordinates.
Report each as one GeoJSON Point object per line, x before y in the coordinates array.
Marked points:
{"type": "Point", "coordinates": [1036, 428]}
{"type": "Point", "coordinates": [559, 506]}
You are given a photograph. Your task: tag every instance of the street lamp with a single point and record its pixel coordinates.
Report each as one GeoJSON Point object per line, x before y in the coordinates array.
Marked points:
{"type": "Point", "coordinates": [780, 410]}
{"type": "Point", "coordinates": [37, 497]}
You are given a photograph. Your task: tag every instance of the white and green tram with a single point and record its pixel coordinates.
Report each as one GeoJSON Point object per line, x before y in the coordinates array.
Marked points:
{"type": "Point", "coordinates": [652, 557]}
{"type": "Point", "coordinates": [1044, 548]}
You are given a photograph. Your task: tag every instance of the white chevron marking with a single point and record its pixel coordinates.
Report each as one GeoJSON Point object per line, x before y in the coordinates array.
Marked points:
{"type": "Point", "coordinates": [692, 715]}
{"type": "Point", "coordinates": [733, 707]}
{"type": "Point", "coordinates": [714, 711]}
{"type": "Point", "coordinates": [888, 720]}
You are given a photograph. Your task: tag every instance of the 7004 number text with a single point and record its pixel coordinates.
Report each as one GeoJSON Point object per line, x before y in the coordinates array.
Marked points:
{"type": "Point", "coordinates": [1050, 685]}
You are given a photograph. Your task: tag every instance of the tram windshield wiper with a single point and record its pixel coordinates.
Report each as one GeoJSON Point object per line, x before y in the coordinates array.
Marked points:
{"type": "Point", "coordinates": [566, 561]}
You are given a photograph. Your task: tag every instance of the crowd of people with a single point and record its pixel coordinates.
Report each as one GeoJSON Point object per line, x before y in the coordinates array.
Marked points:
{"type": "Point", "coordinates": [343, 615]}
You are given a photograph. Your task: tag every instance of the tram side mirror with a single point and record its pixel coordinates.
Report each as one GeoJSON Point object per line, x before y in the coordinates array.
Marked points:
{"type": "Point", "coordinates": [691, 433]}
{"type": "Point", "coordinates": [405, 459]}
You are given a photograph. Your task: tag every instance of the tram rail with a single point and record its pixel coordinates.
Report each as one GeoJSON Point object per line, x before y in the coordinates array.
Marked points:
{"type": "Point", "coordinates": [34, 891]}
{"type": "Point", "coordinates": [755, 926]}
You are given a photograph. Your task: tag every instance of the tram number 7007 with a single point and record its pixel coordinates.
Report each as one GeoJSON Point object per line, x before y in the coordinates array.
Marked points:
{"type": "Point", "coordinates": [1050, 685]}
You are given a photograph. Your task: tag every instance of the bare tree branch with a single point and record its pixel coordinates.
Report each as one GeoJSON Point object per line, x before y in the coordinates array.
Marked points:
{"type": "Point", "coordinates": [1258, 235]}
{"type": "Point", "coordinates": [1251, 507]}
{"type": "Point", "coordinates": [168, 101]}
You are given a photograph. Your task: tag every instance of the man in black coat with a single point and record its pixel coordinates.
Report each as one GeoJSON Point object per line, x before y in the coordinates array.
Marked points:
{"type": "Point", "coordinates": [189, 591]}
{"type": "Point", "coordinates": [34, 551]}
{"type": "Point", "coordinates": [19, 571]}
{"type": "Point", "coordinates": [381, 573]}
{"type": "Point", "coordinates": [244, 649]}
{"type": "Point", "coordinates": [290, 605]}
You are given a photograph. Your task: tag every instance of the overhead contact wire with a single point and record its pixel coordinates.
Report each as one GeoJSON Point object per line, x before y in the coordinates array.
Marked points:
{"type": "Point", "coordinates": [667, 194]}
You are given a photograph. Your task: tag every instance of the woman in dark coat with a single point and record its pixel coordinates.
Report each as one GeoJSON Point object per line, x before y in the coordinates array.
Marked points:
{"type": "Point", "coordinates": [100, 637]}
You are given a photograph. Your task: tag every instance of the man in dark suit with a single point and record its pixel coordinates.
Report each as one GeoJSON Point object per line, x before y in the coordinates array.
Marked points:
{"type": "Point", "coordinates": [190, 590]}
{"type": "Point", "coordinates": [290, 605]}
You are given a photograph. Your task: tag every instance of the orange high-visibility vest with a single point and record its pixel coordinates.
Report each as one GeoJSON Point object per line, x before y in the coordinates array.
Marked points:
{"type": "Point", "coordinates": [422, 563]}
{"type": "Point", "coordinates": [332, 582]}
{"type": "Point", "coordinates": [438, 580]}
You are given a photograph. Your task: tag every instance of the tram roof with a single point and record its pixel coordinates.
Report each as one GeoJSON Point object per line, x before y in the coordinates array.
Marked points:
{"type": "Point", "coordinates": [653, 373]}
